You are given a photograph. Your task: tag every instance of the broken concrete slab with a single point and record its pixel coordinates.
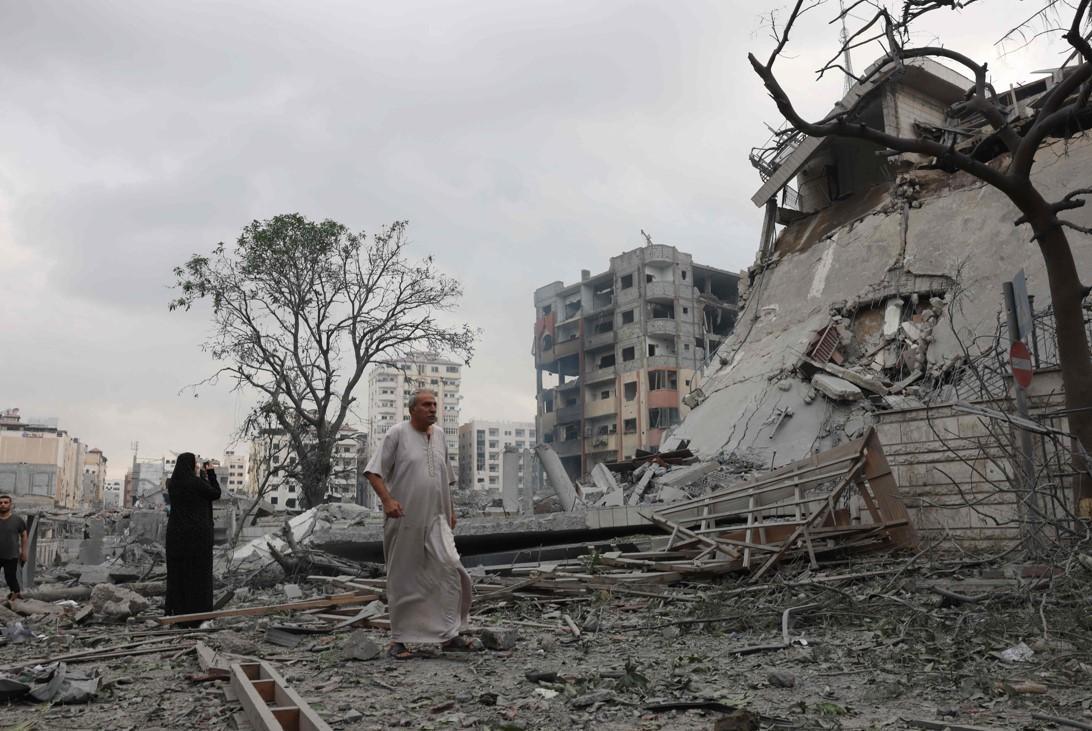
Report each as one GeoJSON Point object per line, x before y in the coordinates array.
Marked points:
{"type": "Point", "coordinates": [836, 388]}
{"type": "Point", "coordinates": [678, 477]}
{"type": "Point", "coordinates": [360, 646]}
{"type": "Point", "coordinates": [603, 478]}
{"type": "Point", "coordinates": [116, 602]}
{"type": "Point", "coordinates": [499, 639]}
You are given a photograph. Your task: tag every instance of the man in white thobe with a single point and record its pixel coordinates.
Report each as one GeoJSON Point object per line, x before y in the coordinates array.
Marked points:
{"type": "Point", "coordinates": [428, 590]}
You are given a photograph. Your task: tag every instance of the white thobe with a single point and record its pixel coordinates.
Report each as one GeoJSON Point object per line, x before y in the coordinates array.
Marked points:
{"type": "Point", "coordinates": [428, 590]}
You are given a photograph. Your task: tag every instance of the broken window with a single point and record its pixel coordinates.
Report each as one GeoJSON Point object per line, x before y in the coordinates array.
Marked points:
{"type": "Point", "coordinates": [683, 272]}
{"type": "Point", "coordinates": [658, 380]}
{"type": "Point", "coordinates": [649, 279]}
{"type": "Point", "coordinates": [607, 361]}
{"type": "Point", "coordinates": [571, 308]}
{"type": "Point", "coordinates": [630, 390]}
{"type": "Point", "coordinates": [547, 341]}
{"type": "Point", "coordinates": [571, 401]}
{"type": "Point", "coordinates": [627, 281]}
{"type": "Point", "coordinates": [627, 317]}
{"type": "Point", "coordinates": [547, 309]}
{"type": "Point", "coordinates": [628, 354]}
{"type": "Point", "coordinates": [604, 326]}
{"type": "Point", "coordinates": [651, 349]}
{"type": "Point", "coordinates": [572, 431]}
{"type": "Point", "coordinates": [662, 418]}
{"type": "Point", "coordinates": [661, 311]}
{"type": "Point", "coordinates": [686, 310]}
{"type": "Point", "coordinates": [630, 426]}
{"type": "Point", "coordinates": [604, 395]}
{"type": "Point", "coordinates": [605, 429]}
{"type": "Point", "coordinates": [548, 405]}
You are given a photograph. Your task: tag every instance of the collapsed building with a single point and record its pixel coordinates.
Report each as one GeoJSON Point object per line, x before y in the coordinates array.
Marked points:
{"type": "Point", "coordinates": [875, 299]}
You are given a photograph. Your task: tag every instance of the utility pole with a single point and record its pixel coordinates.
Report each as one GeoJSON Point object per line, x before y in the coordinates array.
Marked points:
{"type": "Point", "coordinates": [1031, 530]}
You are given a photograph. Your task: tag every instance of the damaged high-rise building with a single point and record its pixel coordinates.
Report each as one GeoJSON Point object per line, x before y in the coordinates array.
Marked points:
{"type": "Point", "coordinates": [876, 298]}
{"type": "Point", "coordinates": [615, 351]}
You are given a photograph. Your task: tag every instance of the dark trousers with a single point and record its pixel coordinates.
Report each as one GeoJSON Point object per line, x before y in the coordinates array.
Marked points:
{"type": "Point", "coordinates": [11, 573]}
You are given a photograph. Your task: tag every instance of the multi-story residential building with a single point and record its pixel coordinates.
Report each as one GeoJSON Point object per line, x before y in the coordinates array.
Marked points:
{"type": "Point", "coordinates": [616, 352]}
{"type": "Point", "coordinates": [38, 460]}
{"type": "Point", "coordinates": [232, 472]}
{"type": "Point", "coordinates": [146, 483]}
{"type": "Point", "coordinates": [271, 456]}
{"type": "Point", "coordinates": [390, 387]}
{"type": "Point", "coordinates": [481, 444]}
{"type": "Point", "coordinates": [94, 479]}
{"type": "Point", "coordinates": [112, 494]}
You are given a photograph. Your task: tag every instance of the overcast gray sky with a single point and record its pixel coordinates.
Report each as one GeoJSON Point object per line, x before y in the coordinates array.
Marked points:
{"type": "Point", "coordinates": [524, 140]}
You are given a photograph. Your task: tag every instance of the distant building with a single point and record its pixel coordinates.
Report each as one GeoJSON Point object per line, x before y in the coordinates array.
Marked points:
{"type": "Point", "coordinates": [481, 444]}
{"type": "Point", "coordinates": [94, 479]}
{"type": "Point", "coordinates": [233, 472]}
{"type": "Point", "coordinates": [146, 483]}
{"type": "Point", "coordinates": [112, 494]}
{"type": "Point", "coordinates": [272, 461]}
{"type": "Point", "coordinates": [38, 460]}
{"type": "Point", "coordinates": [390, 388]}
{"type": "Point", "coordinates": [616, 352]}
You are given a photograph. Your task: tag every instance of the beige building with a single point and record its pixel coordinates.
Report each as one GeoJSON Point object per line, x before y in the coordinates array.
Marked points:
{"type": "Point", "coordinates": [270, 455]}
{"type": "Point", "coordinates": [390, 387]}
{"type": "Point", "coordinates": [616, 352]}
{"type": "Point", "coordinates": [481, 444]}
{"type": "Point", "coordinates": [94, 479]}
{"type": "Point", "coordinates": [40, 462]}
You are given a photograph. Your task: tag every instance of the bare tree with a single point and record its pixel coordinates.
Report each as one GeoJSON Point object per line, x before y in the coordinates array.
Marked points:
{"type": "Point", "coordinates": [300, 309]}
{"type": "Point", "coordinates": [1062, 112]}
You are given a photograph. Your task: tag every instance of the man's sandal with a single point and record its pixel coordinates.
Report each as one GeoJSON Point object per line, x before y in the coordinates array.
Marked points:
{"type": "Point", "coordinates": [463, 644]}
{"type": "Point", "coordinates": [398, 651]}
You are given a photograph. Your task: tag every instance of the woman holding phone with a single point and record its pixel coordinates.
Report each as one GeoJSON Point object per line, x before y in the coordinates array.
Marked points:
{"type": "Point", "coordinates": [189, 537]}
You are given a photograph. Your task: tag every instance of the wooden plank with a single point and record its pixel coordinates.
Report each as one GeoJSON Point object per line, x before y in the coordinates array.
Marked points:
{"type": "Point", "coordinates": [669, 525]}
{"type": "Point", "coordinates": [885, 490]}
{"type": "Point", "coordinates": [334, 600]}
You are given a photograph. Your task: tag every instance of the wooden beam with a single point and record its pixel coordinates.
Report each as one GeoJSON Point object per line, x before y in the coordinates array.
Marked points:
{"type": "Point", "coordinates": [334, 600]}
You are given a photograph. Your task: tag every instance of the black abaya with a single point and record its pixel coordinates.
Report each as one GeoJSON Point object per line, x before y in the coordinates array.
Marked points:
{"type": "Point", "coordinates": [189, 543]}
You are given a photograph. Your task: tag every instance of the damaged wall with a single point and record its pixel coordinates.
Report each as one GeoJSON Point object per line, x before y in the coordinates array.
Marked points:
{"type": "Point", "coordinates": [751, 399]}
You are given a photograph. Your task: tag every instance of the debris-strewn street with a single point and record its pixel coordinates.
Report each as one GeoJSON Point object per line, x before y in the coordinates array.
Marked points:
{"type": "Point", "coordinates": [881, 642]}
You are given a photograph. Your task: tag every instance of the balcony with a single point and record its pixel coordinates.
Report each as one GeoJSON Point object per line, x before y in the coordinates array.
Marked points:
{"type": "Point", "coordinates": [599, 375]}
{"type": "Point", "coordinates": [664, 361]}
{"type": "Point", "coordinates": [570, 414]}
{"type": "Point", "coordinates": [567, 448]}
{"type": "Point", "coordinates": [662, 326]}
{"type": "Point", "coordinates": [602, 443]}
{"type": "Point", "coordinates": [660, 290]}
{"type": "Point", "coordinates": [603, 407]}
{"type": "Point", "coordinates": [659, 254]}
{"type": "Point", "coordinates": [598, 340]}
{"type": "Point", "coordinates": [566, 348]}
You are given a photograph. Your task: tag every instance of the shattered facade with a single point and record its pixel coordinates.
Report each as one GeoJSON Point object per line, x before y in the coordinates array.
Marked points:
{"type": "Point", "coordinates": [615, 351]}
{"type": "Point", "coordinates": [881, 293]}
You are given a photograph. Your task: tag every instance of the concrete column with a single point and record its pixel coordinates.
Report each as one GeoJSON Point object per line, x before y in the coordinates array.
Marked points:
{"type": "Point", "coordinates": [510, 479]}
{"type": "Point", "coordinates": [559, 479]}
{"type": "Point", "coordinates": [531, 480]}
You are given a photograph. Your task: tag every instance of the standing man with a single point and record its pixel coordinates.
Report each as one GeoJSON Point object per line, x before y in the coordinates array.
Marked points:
{"type": "Point", "coordinates": [428, 589]}
{"type": "Point", "coordinates": [13, 545]}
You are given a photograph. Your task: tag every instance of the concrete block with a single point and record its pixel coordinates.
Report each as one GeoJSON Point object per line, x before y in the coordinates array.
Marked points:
{"type": "Point", "coordinates": [835, 388]}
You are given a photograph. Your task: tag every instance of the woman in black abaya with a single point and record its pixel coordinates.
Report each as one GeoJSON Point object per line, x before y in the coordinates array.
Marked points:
{"type": "Point", "coordinates": [189, 537]}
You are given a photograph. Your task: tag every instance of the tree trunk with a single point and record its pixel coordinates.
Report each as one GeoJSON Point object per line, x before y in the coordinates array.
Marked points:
{"type": "Point", "coordinates": [1074, 354]}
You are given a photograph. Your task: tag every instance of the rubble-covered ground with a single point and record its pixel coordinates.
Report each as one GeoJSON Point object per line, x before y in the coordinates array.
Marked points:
{"type": "Point", "coordinates": [957, 643]}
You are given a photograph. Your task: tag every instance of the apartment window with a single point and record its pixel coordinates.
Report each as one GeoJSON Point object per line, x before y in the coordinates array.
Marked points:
{"type": "Point", "coordinates": [507, 432]}
{"type": "Point", "coordinates": [273, 500]}
{"type": "Point", "coordinates": [291, 488]}
{"type": "Point", "coordinates": [290, 502]}
{"type": "Point", "coordinates": [686, 347]}
{"type": "Point", "coordinates": [658, 380]}
{"type": "Point", "coordinates": [683, 272]}
{"type": "Point", "coordinates": [662, 418]}
{"type": "Point", "coordinates": [607, 361]}
{"type": "Point", "coordinates": [630, 426]}
{"type": "Point", "coordinates": [519, 432]}
{"type": "Point", "coordinates": [686, 310]}
{"type": "Point", "coordinates": [649, 279]}
{"type": "Point", "coordinates": [627, 317]}
{"type": "Point", "coordinates": [628, 354]}
{"type": "Point", "coordinates": [605, 326]}
{"type": "Point", "coordinates": [651, 349]}
{"type": "Point", "coordinates": [547, 309]}
{"type": "Point", "coordinates": [627, 281]}
{"type": "Point", "coordinates": [493, 467]}
{"type": "Point", "coordinates": [493, 443]}
{"type": "Point", "coordinates": [604, 395]}
{"type": "Point", "coordinates": [661, 311]}
{"type": "Point", "coordinates": [492, 480]}
{"type": "Point", "coordinates": [630, 390]}
{"type": "Point", "coordinates": [435, 369]}
{"type": "Point", "coordinates": [453, 369]}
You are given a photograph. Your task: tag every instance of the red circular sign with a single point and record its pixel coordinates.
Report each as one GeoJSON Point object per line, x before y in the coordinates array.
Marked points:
{"type": "Point", "coordinates": [1020, 360]}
